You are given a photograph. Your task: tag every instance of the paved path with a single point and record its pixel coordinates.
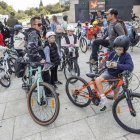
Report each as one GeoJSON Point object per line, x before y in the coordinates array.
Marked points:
{"type": "Point", "coordinates": [73, 123]}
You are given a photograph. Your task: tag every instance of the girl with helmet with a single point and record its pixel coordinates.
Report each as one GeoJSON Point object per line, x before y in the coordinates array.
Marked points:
{"type": "Point", "coordinates": [52, 56]}
{"type": "Point", "coordinates": [19, 38]}
{"type": "Point", "coordinates": [119, 61]}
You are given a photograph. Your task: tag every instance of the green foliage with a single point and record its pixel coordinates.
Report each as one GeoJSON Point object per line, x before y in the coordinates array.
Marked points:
{"type": "Point", "coordinates": [5, 9]}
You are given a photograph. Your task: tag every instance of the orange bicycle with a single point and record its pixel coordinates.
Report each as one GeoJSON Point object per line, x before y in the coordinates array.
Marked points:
{"type": "Point", "coordinates": [125, 108]}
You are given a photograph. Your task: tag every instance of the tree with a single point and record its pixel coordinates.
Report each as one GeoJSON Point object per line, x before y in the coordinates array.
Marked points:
{"type": "Point", "coordinates": [41, 3]}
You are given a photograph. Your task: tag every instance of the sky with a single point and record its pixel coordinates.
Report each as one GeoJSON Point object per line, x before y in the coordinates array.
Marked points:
{"type": "Point", "coordinates": [24, 4]}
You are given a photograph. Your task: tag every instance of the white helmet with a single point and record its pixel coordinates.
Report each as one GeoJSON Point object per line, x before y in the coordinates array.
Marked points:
{"type": "Point", "coordinates": [70, 28]}
{"type": "Point", "coordinates": [50, 33]}
{"type": "Point", "coordinates": [90, 26]}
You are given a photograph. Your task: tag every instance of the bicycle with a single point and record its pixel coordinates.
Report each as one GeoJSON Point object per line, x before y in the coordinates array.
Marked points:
{"type": "Point", "coordinates": [100, 66]}
{"type": "Point", "coordinates": [86, 95]}
{"type": "Point", "coordinates": [83, 41]}
{"type": "Point", "coordinates": [68, 63]}
{"type": "Point", "coordinates": [7, 68]}
{"type": "Point", "coordinates": [42, 98]}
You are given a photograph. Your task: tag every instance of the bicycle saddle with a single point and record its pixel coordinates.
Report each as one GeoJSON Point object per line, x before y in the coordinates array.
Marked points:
{"type": "Point", "coordinates": [92, 75]}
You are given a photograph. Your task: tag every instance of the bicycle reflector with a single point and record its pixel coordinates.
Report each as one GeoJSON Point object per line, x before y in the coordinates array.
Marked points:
{"type": "Point", "coordinates": [53, 104]}
{"type": "Point", "coordinates": [118, 109]}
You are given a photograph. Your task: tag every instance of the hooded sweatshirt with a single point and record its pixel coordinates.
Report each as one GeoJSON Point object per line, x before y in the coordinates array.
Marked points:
{"type": "Point", "coordinates": [124, 63]}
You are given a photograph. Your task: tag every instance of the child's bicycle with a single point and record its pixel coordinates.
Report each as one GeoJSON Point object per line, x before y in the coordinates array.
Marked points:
{"type": "Point", "coordinates": [43, 102]}
{"type": "Point", "coordinates": [125, 108]}
{"type": "Point", "coordinates": [81, 35]}
{"type": "Point", "coordinates": [7, 64]}
{"type": "Point", "coordinates": [69, 63]}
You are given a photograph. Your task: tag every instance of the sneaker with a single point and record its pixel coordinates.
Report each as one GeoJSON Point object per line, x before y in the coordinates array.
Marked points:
{"type": "Point", "coordinates": [92, 61]}
{"type": "Point", "coordinates": [58, 82]}
{"type": "Point", "coordinates": [102, 103]}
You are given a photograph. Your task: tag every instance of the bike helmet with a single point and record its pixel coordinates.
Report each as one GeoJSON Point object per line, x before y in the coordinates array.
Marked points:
{"type": "Point", "coordinates": [50, 33]}
{"type": "Point", "coordinates": [122, 41]}
{"type": "Point", "coordinates": [18, 27]}
{"type": "Point", "coordinates": [95, 22]}
{"type": "Point", "coordinates": [90, 26]}
{"type": "Point", "coordinates": [70, 28]}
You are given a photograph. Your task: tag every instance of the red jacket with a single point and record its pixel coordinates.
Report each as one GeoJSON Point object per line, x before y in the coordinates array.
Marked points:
{"type": "Point", "coordinates": [92, 32]}
{"type": "Point", "coordinates": [1, 40]}
{"type": "Point", "coordinates": [96, 29]}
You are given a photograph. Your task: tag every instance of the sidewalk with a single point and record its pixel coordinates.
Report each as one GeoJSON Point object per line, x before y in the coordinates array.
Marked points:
{"type": "Point", "coordinates": [73, 123]}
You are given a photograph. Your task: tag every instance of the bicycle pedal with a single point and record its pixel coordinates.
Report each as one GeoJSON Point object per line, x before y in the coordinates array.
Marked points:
{"type": "Point", "coordinates": [103, 109]}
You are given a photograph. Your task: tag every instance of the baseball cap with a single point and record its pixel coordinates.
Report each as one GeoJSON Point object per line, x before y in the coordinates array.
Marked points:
{"type": "Point", "coordinates": [112, 11]}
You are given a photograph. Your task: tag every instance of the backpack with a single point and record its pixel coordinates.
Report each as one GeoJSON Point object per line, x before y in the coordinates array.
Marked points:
{"type": "Point", "coordinates": [133, 35]}
{"type": "Point", "coordinates": [5, 32]}
{"type": "Point", "coordinates": [123, 25]}
{"type": "Point", "coordinates": [130, 31]}
{"type": "Point", "coordinates": [19, 67]}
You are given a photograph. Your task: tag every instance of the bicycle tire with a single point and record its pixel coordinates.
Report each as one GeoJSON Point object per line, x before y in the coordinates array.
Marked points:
{"type": "Point", "coordinates": [11, 63]}
{"type": "Point", "coordinates": [5, 77]}
{"type": "Point", "coordinates": [76, 68]}
{"type": "Point", "coordinates": [40, 122]}
{"type": "Point", "coordinates": [82, 41]}
{"type": "Point", "coordinates": [114, 111]}
{"type": "Point", "coordinates": [69, 95]}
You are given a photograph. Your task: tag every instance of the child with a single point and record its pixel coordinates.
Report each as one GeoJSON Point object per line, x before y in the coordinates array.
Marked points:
{"type": "Point", "coordinates": [52, 56]}
{"type": "Point", "coordinates": [96, 28]}
{"type": "Point", "coordinates": [19, 38]}
{"type": "Point", "coordinates": [119, 61]}
{"type": "Point", "coordinates": [70, 40]}
{"type": "Point", "coordinates": [90, 34]}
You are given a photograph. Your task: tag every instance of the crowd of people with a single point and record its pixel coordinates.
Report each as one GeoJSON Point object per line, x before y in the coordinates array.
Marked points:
{"type": "Point", "coordinates": [55, 35]}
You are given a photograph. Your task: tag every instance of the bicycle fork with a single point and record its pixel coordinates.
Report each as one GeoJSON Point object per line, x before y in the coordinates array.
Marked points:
{"type": "Point", "coordinates": [129, 102]}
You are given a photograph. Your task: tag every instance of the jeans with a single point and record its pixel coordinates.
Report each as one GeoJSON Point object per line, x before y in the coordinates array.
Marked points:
{"type": "Point", "coordinates": [95, 47]}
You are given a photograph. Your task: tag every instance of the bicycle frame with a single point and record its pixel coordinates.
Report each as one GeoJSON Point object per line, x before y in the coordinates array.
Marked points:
{"type": "Point", "coordinates": [93, 83]}
{"type": "Point", "coordinates": [38, 79]}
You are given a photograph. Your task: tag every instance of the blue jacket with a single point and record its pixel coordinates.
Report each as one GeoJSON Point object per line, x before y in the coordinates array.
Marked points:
{"type": "Point", "coordinates": [124, 63]}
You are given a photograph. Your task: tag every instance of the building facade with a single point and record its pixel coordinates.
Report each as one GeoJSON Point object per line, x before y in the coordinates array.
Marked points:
{"type": "Point", "coordinates": [79, 9]}
{"type": "Point", "coordinates": [64, 2]}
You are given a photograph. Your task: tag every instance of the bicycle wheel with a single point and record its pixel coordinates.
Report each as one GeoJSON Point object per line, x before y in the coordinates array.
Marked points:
{"type": "Point", "coordinates": [11, 62]}
{"type": "Point", "coordinates": [45, 112]}
{"type": "Point", "coordinates": [80, 99]}
{"type": "Point", "coordinates": [4, 78]}
{"type": "Point", "coordinates": [130, 121]}
{"type": "Point", "coordinates": [83, 45]}
{"type": "Point", "coordinates": [71, 69]}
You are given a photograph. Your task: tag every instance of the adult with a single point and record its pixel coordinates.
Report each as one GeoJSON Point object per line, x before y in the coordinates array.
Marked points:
{"type": "Point", "coordinates": [134, 17]}
{"type": "Point", "coordinates": [56, 27]}
{"type": "Point", "coordinates": [99, 18]}
{"type": "Point", "coordinates": [47, 21]}
{"type": "Point", "coordinates": [54, 23]}
{"type": "Point", "coordinates": [115, 29]}
{"type": "Point", "coordinates": [11, 22]}
{"type": "Point", "coordinates": [43, 20]}
{"type": "Point", "coordinates": [65, 23]}
{"type": "Point", "coordinates": [33, 36]}
{"type": "Point", "coordinates": [91, 17]}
